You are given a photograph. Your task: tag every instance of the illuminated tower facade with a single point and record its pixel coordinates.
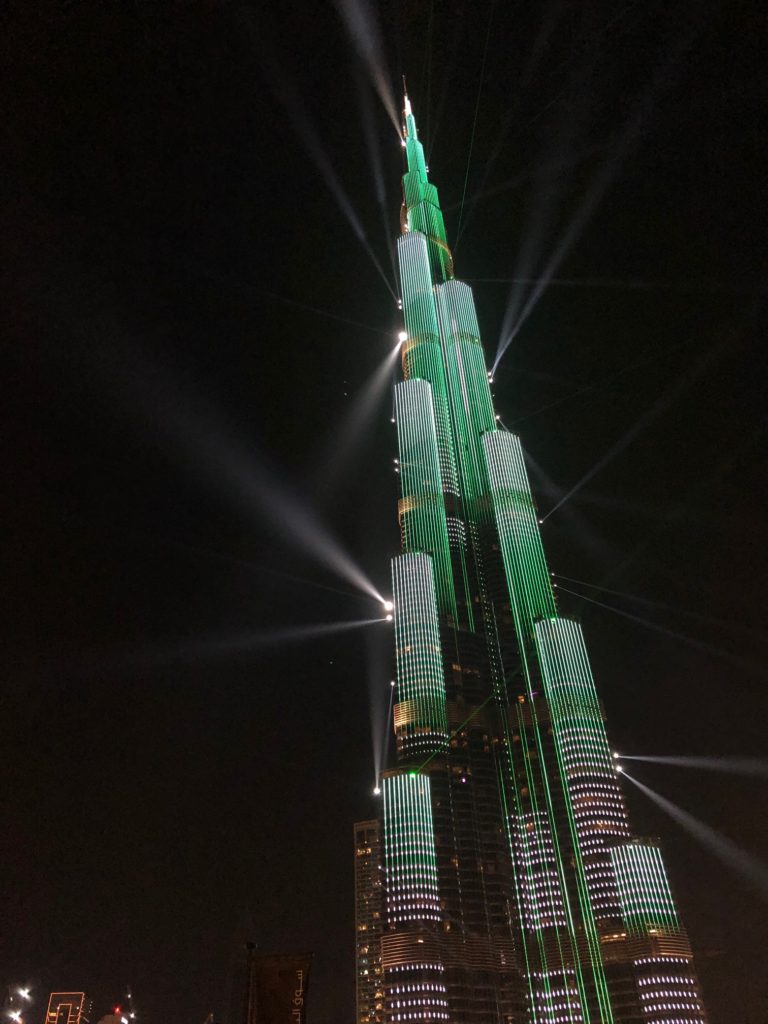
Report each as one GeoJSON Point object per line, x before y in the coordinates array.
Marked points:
{"type": "Point", "coordinates": [513, 889]}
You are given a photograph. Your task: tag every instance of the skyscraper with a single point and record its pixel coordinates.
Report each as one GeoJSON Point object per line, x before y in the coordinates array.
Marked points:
{"type": "Point", "coordinates": [513, 889]}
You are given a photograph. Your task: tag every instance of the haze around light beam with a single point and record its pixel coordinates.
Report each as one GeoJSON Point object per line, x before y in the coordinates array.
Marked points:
{"type": "Point", "coordinates": [286, 93]}
{"type": "Point", "coordinates": [660, 406]}
{"type": "Point", "coordinates": [353, 429]}
{"type": "Point", "coordinates": [240, 643]}
{"type": "Point", "coordinates": [753, 767]}
{"type": "Point", "coordinates": [658, 628]}
{"type": "Point", "coordinates": [380, 696]}
{"type": "Point", "coordinates": [626, 139]}
{"type": "Point", "coordinates": [360, 21]}
{"type": "Point", "coordinates": [192, 433]}
{"type": "Point", "coordinates": [726, 850]}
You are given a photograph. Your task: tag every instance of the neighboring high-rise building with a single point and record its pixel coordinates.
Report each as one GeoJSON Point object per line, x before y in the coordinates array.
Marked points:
{"type": "Point", "coordinates": [513, 890]}
{"type": "Point", "coordinates": [68, 1008]}
{"type": "Point", "coordinates": [368, 920]}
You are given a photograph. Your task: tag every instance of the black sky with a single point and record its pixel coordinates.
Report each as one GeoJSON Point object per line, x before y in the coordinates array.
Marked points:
{"type": "Point", "coordinates": [165, 228]}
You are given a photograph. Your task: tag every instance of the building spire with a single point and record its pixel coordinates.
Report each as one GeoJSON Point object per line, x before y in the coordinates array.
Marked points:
{"type": "Point", "coordinates": [409, 121]}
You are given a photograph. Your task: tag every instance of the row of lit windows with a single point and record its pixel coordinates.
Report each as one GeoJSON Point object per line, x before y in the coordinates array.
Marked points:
{"type": "Point", "coordinates": [408, 1003]}
{"type": "Point", "coordinates": [663, 960]}
{"type": "Point", "coordinates": [419, 1016]}
{"type": "Point", "coordinates": [418, 987]}
{"type": "Point", "coordinates": [675, 1008]}
{"type": "Point", "coordinates": [666, 979]}
{"type": "Point", "coordinates": [416, 967]}
{"type": "Point", "coordinates": [399, 917]}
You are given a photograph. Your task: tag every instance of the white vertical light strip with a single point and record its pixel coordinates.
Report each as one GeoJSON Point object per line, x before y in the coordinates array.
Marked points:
{"type": "Point", "coordinates": [418, 653]}
{"type": "Point", "coordinates": [525, 566]}
{"type": "Point", "coordinates": [422, 353]}
{"type": "Point", "coordinates": [646, 898]}
{"type": "Point", "coordinates": [425, 526]}
{"type": "Point", "coordinates": [598, 814]}
{"type": "Point", "coordinates": [468, 389]}
{"type": "Point", "coordinates": [410, 864]}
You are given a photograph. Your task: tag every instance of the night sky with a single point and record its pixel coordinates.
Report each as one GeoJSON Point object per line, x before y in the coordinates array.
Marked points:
{"type": "Point", "coordinates": [192, 195]}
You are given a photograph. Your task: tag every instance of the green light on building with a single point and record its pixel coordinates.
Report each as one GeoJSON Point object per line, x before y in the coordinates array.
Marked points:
{"type": "Point", "coordinates": [509, 865]}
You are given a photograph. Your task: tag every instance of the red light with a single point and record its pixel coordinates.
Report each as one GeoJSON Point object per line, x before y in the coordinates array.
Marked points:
{"type": "Point", "coordinates": [117, 1010]}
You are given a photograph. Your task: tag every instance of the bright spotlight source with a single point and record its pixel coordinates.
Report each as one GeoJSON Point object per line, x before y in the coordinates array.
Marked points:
{"type": "Point", "coordinates": [619, 768]}
{"type": "Point", "coordinates": [402, 336]}
{"type": "Point", "coordinates": [388, 606]}
{"type": "Point", "coordinates": [15, 1015]}
{"type": "Point", "coordinates": [392, 682]}
{"type": "Point", "coordinates": [24, 993]}
{"type": "Point", "coordinates": [389, 618]}
{"type": "Point", "coordinates": [376, 790]}
{"type": "Point", "coordinates": [616, 754]}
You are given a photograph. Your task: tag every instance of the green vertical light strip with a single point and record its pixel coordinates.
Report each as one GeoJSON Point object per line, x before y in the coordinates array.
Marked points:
{"type": "Point", "coordinates": [420, 675]}
{"type": "Point", "coordinates": [422, 506]}
{"type": "Point", "coordinates": [469, 393]}
{"type": "Point", "coordinates": [410, 864]}
{"type": "Point", "coordinates": [421, 350]}
{"type": "Point", "coordinates": [554, 883]}
{"type": "Point", "coordinates": [525, 567]}
{"type": "Point", "coordinates": [581, 748]}
{"type": "Point", "coordinates": [531, 599]}
{"type": "Point", "coordinates": [540, 884]}
{"type": "Point", "coordinates": [582, 742]}
{"type": "Point", "coordinates": [647, 904]}
{"type": "Point", "coordinates": [594, 801]}
{"type": "Point", "coordinates": [422, 206]}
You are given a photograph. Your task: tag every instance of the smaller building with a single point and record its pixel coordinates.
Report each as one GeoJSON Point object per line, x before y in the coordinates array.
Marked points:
{"type": "Point", "coordinates": [368, 900]}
